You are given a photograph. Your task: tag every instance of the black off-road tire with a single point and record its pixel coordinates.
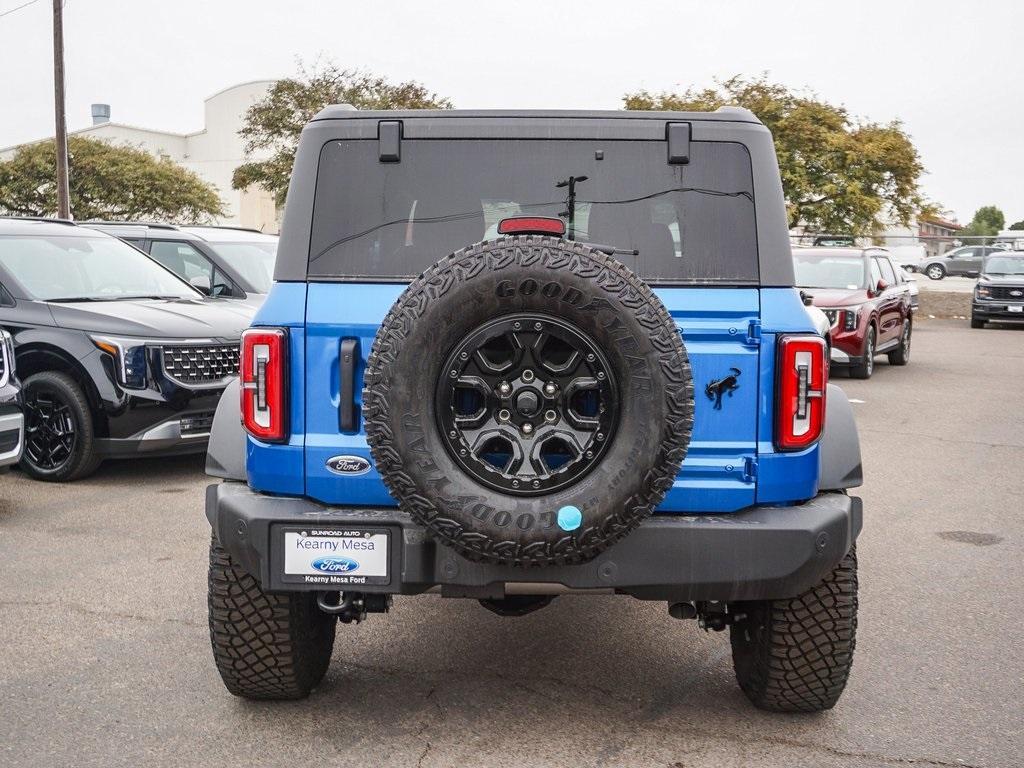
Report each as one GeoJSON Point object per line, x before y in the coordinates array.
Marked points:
{"type": "Point", "coordinates": [84, 458]}
{"type": "Point", "coordinates": [976, 323]}
{"type": "Point", "coordinates": [795, 655]}
{"type": "Point", "coordinates": [266, 646]}
{"type": "Point", "coordinates": [901, 356]}
{"type": "Point", "coordinates": [548, 277]}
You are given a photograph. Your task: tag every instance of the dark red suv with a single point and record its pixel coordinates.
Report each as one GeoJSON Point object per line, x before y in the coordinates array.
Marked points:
{"type": "Point", "coordinates": [866, 299]}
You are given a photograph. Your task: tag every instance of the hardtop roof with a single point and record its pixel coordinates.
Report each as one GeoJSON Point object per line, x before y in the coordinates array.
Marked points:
{"type": "Point", "coordinates": [722, 114]}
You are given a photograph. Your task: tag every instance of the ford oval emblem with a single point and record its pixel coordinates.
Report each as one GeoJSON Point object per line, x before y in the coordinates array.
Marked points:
{"type": "Point", "coordinates": [335, 564]}
{"type": "Point", "coordinates": [348, 465]}
{"type": "Point", "coordinates": [1017, 293]}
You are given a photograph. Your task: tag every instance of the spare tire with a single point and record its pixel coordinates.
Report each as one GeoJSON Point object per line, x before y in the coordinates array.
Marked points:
{"type": "Point", "coordinates": [528, 400]}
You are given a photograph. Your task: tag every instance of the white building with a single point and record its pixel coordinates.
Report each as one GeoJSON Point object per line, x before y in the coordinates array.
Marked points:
{"type": "Point", "coordinates": [213, 152]}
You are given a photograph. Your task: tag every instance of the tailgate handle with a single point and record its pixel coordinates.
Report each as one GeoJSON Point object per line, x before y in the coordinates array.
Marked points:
{"type": "Point", "coordinates": [347, 359]}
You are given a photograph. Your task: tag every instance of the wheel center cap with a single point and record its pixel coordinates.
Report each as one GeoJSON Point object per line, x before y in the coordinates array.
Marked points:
{"type": "Point", "coordinates": [528, 403]}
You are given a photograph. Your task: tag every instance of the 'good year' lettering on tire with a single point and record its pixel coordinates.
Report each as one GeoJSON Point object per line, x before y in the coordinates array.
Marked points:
{"type": "Point", "coordinates": [524, 522]}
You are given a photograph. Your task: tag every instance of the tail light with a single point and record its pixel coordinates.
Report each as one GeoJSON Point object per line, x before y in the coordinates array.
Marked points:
{"type": "Point", "coordinates": [800, 402]}
{"type": "Point", "coordinates": [531, 225]}
{"type": "Point", "coordinates": [264, 374]}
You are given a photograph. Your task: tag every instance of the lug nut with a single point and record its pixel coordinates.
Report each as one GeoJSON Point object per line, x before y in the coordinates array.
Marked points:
{"type": "Point", "coordinates": [453, 434]}
{"type": "Point", "coordinates": [538, 326]}
{"type": "Point", "coordinates": [550, 389]}
{"type": "Point", "coordinates": [504, 388]}
{"type": "Point", "coordinates": [600, 374]}
{"type": "Point", "coordinates": [528, 376]}
{"type": "Point", "coordinates": [550, 415]}
{"type": "Point", "coordinates": [527, 428]}
{"type": "Point", "coordinates": [590, 357]}
{"type": "Point", "coordinates": [504, 414]}
{"type": "Point", "coordinates": [517, 325]}
{"type": "Point", "coordinates": [536, 483]}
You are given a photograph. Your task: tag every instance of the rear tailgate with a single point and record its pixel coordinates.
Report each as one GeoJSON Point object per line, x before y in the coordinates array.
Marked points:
{"type": "Point", "coordinates": [719, 474]}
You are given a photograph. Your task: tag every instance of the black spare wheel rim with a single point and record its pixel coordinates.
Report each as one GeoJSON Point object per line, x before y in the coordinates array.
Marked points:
{"type": "Point", "coordinates": [527, 404]}
{"type": "Point", "coordinates": [50, 430]}
{"type": "Point", "coordinates": [524, 445]}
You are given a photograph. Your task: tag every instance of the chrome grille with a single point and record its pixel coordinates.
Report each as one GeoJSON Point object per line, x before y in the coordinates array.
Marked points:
{"type": "Point", "coordinates": [201, 364]}
{"type": "Point", "coordinates": [1006, 292]}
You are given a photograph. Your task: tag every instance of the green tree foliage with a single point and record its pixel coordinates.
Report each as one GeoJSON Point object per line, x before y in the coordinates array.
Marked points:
{"type": "Point", "coordinates": [107, 182]}
{"type": "Point", "coordinates": [1017, 226]}
{"type": "Point", "coordinates": [839, 174]}
{"type": "Point", "coordinates": [274, 123]}
{"type": "Point", "coordinates": [988, 221]}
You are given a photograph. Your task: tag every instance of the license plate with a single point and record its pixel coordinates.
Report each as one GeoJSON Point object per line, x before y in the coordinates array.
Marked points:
{"type": "Point", "coordinates": [1015, 309]}
{"type": "Point", "coordinates": [335, 557]}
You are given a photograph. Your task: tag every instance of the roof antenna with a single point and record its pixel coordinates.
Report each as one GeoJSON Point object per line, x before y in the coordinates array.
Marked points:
{"type": "Point", "coordinates": [570, 203]}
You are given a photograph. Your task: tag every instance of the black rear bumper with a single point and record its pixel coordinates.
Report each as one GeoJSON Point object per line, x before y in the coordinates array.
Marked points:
{"type": "Point", "coordinates": [754, 554]}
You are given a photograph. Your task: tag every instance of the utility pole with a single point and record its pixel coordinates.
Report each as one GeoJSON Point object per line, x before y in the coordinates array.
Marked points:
{"type": "Point", "coordinates": [61, 135]}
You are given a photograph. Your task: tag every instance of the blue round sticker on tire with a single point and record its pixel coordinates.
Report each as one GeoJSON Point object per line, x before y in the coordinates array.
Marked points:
{"type": "Point", "coordinates": [569, 518]}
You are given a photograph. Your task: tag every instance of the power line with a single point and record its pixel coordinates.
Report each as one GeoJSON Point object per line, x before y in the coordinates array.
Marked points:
{"type": "Point", "coordinates": [18, 8]}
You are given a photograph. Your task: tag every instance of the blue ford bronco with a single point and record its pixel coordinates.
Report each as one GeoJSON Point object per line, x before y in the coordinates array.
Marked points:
{"type": "Point", "coordinates": [509, 356]}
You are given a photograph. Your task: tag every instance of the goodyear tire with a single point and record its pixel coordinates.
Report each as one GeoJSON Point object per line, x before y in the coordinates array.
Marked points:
{"type": "Point", "coordinates": [266, 646]}
{"type": "Point", "coordinates": [629, 351]}
{"type": "Point", "coordinates": [795, 655]}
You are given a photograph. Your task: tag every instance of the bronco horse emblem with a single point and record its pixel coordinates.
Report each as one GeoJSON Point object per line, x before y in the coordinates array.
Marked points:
{"type": "Point", "coordinates": [723, 386]}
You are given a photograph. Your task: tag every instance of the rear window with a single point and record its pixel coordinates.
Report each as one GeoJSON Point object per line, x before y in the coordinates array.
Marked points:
{"type": "Point", "coordinates": [691, 223]}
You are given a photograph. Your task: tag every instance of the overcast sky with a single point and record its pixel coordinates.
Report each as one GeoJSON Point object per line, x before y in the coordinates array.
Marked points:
{"type": "Point", "coordinates": [953, 72]}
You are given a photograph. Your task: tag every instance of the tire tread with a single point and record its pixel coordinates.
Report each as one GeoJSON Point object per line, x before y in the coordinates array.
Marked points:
{"type": "Point", "coordinates": [266, 646]}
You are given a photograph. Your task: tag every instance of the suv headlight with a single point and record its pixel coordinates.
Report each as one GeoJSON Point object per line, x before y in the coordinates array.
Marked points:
{"type": "Point", "coordinates": [6, 357]}
{"type": "Point", "coordinates": [851, 317]}
{"type": "Point", "coordinates": [129, 359]}
{"type": "Point", "coordinates": [983, 292]}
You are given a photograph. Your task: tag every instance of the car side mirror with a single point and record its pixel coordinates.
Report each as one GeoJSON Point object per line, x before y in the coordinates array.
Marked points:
{"type": "Point", "coordinates": [201, 283]}
{"type": "Point", "coordinates": [807, 299]}
{"type": "Point", "coordinates": [881, 287]}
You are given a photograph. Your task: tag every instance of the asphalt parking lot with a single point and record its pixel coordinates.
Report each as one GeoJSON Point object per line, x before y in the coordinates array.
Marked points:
{"type": "Point", "coordinates": [105, 656]}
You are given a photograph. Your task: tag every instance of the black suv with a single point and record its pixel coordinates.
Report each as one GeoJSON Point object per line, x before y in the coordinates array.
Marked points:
{"type": "Point", "coordinates": [226, 262]}
{"type": "Point", "coordinates": [118, 356]}
{"type": "Point", "coordinates": [999, 294]}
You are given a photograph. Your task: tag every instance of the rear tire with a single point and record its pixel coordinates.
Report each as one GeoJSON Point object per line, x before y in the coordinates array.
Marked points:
{"type": "Point", "coordinates": [902, 354]}
{"type": "Point", "coordinates": [935, 271]}
{"type": "Point", "coordinates": [795, 655]}
{"type": "Point", "coordinates": [864, 369]}
{"type": "Point", "coordinates": [976, 323]}
{"type": "Point", "coordinates": [60, 440]}
{"type": "Point", "coordinates": [265, 646]}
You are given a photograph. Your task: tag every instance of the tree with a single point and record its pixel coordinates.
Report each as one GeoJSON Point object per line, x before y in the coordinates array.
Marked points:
{"type": "Point", "coordinates": [987, 222]}
{"type": "Point", "coordinates": [274, 123]}
{"type": "Point", "coordinates": [108, 181]}
{"type": "Point", "coordinates": [1017, 226]}
{"type": "Point", "coordinates": [839, 174]}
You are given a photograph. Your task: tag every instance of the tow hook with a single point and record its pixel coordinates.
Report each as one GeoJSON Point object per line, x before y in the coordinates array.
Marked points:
{"type": "Point", "coordinates": [352, 606]}
{"type": "Point", "coordinates": [711, 616]}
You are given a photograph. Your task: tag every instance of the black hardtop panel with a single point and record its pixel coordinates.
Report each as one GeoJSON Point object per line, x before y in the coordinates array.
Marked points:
{"type": "Point", "coordinates": [722, 114]}
{"type": "Point", "coordinates": [729, 124]}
